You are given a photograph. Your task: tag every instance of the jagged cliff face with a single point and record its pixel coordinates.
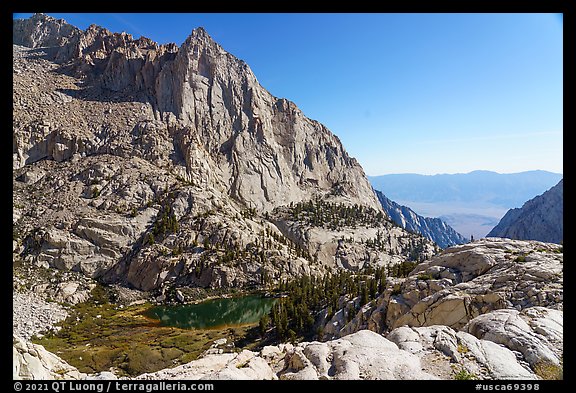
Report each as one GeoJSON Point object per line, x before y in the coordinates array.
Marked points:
{"type": "Point", "coordinates": [268, 152]}
{"type": "Point", "coordinates": [39, 30]}
{"type": "Point", "coordinates": [541, 218]}
{"type": "Point", "coordinates": [433, 228]}
{"type": "Point", "coordinates": [159, 165]}
{"type": "Point", "coordinates": [265, 151]}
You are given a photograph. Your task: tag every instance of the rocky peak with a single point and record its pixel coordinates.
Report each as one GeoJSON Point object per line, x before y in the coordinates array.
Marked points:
{"type": "Point", "coordinates": [219, 106]}
{"type": "Point", "coordinates": [95, 29]}
{"type": "Point", "coordinates": [42, 30]}
{"type": "Point", "coordinates": [199, 43]}
{"type": "Point", "coordinates": [200, 33]}
{"type": "Point", "coordinates": [540, 218]}
{"type": "Point", "coordinates": [186, 135]}
{"type": "Point", "coordinates": [219, 98]}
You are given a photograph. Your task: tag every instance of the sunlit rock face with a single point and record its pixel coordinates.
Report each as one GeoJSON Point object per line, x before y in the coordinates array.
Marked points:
{"type": "Point", "coordinates": [156, 165]}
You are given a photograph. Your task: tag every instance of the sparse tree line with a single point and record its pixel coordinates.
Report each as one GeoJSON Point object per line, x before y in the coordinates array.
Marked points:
{"type": "Point", "coordinates": [334, 216]}
{"type": "Point", "coordinates": [307, 294]}
{"type": "Point", "coordinates": [165, 223]}
{"type": "Point", "coordinates": [215, 251]}
{"type": "Point", "coordinates": [315, 212]}
{"type": "Point", "coordinates": [294, 316]}
{"type": "Point", "coordinates": [414, 249]}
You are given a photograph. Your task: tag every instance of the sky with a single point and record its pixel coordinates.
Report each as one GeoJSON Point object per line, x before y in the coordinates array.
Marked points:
{"type": "Point", "coordinates": [405, 93]}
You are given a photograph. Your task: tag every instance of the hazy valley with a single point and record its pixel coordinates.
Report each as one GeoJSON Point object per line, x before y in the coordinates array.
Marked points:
{"type": "Point", "coordinates": [472, 203]}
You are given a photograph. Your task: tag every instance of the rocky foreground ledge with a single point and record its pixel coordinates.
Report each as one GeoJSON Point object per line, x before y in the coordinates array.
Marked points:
{"type": "Point", "coordinates": [491, 309]}
{"type": "Point", "coordinates": [432, 352]}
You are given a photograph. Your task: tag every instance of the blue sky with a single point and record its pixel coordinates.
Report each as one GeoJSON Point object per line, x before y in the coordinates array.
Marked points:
{"type": "Point", "coordinates": [405, 93]}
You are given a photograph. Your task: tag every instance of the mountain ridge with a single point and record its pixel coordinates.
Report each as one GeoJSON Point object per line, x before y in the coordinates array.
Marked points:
{"type": "Point", "coordinates": [472, 203]}
{"type": "Point", "coordinates": [230, 162]}
{"type": "Point", "coordinates": [434, 229]}
{"type": "Point", "coordinates": [189, 87]}
{"type": "Point", "coordinates": [503, 189]}
{"type": "Point", "coordinates": [540, 218]}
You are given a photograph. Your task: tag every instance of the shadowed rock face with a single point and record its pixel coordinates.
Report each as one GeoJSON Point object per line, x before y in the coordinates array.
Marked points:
{"type": "Point", "coordinates": [433, 228]}
{"type": "Point", "coordinates": [541, 218]}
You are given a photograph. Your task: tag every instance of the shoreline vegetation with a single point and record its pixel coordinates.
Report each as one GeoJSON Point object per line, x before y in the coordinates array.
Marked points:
{"type": "Point", "coordinates": [103, 335]}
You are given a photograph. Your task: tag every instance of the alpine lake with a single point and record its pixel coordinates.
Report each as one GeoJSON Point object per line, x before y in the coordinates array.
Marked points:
{"type": "Point", "coordinates": [213, 314]}
{"type": "Point", "coordinates": [132, 340]}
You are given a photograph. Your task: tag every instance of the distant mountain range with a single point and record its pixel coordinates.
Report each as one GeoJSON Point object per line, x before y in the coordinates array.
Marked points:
{"type": "Point", "coordinates": [472, 203]}
{"type": "Point", "coordinates": [507, 190]}
{"type": "Point", "coordinates": [541, 218]}
{"type": "Point", "coordinates": [433, 228]}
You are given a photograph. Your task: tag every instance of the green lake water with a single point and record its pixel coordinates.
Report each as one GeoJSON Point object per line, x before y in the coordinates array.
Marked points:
{"type": "Point", "coordinates": [212, 314]}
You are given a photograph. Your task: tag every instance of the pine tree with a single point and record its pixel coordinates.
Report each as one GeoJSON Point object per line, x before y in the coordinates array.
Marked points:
{"type": "Point", "coordinates": [364, 295]}
{"type": "Point", "coordinates": [292, 335]}
{"type": "Point", "coordinates": [263, 324]}
{"type": "Point", "coordinates": [283, 327]}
